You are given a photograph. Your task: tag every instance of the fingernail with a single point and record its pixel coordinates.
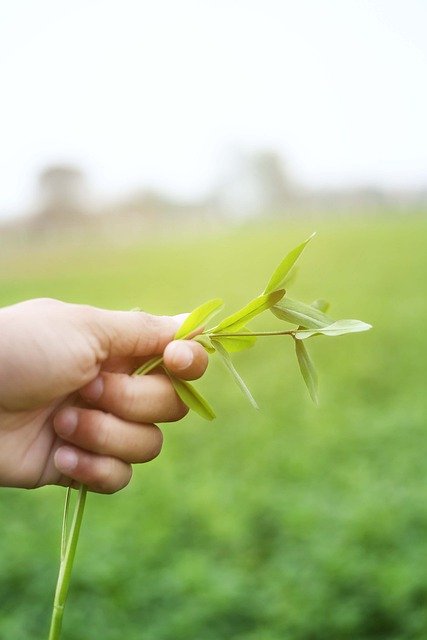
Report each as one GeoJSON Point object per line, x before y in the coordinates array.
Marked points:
{"type": "Point", "coordinates": [65, 459]}
{"type": "Point", "coordinates": [66, 422]}
{"type": "Point", "coordinates": [180, 354]}
{"type": "Point", "coordinates": [93, 391]}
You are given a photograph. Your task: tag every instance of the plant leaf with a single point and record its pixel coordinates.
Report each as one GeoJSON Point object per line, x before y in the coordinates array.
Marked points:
{"type": "Point", "coordinates": [322, 305]}
{"type": "Point", "coordinates": [237, 377]}
{"type": "Point", "coordinates": [191, 397]}
{"type": "Point", "coordinates": [256, 306]}
{"type": "Point", "coordinates": [291, 277]}
{"type": "Point", "coordinates": [304, 315]}
{"type": "Point", "coordinates": [278, 277]}
{"type": "Point", "coordinates": [232, 344]}
{"type": "Point", "coordinates": [307, 369]}
{"type": "Point", "coordinates": [199, 317]}
{"type": "Point", "coordinates": [338, 328]}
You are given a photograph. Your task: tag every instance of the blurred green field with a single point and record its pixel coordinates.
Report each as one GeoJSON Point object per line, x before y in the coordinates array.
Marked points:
{"type": "Point", "coordinates": [294, 523]}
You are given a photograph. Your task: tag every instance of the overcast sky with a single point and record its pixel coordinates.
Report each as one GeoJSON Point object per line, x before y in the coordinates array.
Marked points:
{"type": "Point", "coordinates": [163, 92]}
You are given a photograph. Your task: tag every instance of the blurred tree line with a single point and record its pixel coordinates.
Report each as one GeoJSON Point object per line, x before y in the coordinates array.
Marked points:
{"type": "Point", "coordinates": [256, 183]}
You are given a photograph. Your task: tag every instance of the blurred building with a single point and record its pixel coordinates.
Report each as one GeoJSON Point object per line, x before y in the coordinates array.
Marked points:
{"type": "Point", "coordinates": [62, 197]}
{"type": "Point", "coordinates": [257, 183]}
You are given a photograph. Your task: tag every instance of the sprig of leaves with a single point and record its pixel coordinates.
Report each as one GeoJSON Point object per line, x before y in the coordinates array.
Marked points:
{"type": "Point", "coordinates": [229, 336]}
{"type": "Point", "coordinates": [232, 334]}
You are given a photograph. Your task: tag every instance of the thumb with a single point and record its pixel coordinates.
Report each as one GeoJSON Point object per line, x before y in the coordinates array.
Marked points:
{"type": "Point", "coordinates": [133, 333]}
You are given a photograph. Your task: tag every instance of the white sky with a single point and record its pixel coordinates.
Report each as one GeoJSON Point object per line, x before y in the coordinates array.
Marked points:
{"type": "Point", "coordinates": [161, 92]}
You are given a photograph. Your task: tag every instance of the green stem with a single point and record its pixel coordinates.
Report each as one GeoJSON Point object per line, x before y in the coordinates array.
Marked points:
{"type": "Point", "coordinates": [69, 543]}
{"type": "Point", "coordinates": [66, 566]}
{"type": "Point", "coordinates": [249, 335]}
{"type": "Point", "coordinates": [158, 360]}
{"type": "Point", "coordinates": [148, 366]}
{"type": "Point", "coordinates": [65, 523]}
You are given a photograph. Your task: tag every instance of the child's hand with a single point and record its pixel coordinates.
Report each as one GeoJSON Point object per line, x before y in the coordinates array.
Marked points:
{"type": "Point", "coordinates": [69, 410]}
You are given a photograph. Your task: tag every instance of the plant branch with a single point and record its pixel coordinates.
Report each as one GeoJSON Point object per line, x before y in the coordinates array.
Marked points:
{"type": "Point", "coordinates": [251, 334]}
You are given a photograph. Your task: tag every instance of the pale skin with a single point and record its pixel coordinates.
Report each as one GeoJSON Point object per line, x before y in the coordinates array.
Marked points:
{"type": "Point", "coordinates": [70, 411]}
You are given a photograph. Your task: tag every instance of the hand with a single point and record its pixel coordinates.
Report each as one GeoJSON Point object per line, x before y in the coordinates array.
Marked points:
{"type": "Point", "coordinates": [69, 410]}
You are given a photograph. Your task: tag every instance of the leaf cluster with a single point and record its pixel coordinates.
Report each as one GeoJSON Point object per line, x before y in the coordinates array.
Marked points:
{"type": "Point", "coordinates": [232, 333]}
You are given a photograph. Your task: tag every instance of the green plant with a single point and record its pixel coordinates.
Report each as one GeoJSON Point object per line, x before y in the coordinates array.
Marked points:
{"type": "Point", "coordinates": [229, 336]}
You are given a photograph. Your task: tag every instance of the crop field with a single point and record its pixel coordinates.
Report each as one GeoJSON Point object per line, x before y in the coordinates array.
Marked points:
{"type": "Point", "coordinates": [291, 523]}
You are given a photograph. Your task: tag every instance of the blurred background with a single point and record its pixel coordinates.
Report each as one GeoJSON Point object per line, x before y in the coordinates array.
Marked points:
{"type": "Point", "coordinates": [157, 155]}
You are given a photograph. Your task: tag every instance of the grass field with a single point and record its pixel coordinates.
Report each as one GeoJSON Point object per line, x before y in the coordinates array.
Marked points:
{"type": "Point", "coordinates": [292, 523]}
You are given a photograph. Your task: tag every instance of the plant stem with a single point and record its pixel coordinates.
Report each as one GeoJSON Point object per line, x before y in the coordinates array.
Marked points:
{"type": "Point", "coordinates": [65, 523]}
{"type": "Point", "coordinates": [249, 335]}
{"type": "Point", "coordinates": [148, 366]}
{"type": "Point", "coordinates": [66, 566]}
{"type": "Point", "coordinates": [156, 362]}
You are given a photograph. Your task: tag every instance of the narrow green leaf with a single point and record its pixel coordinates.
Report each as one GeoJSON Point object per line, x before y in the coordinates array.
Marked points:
{"type": "Point", "coordinates": [338, 328]}
{"type": "Point", "coordinates": [279, 276]}
{"type": "Point", "coordinates": [238, 319]}
{"type": "Point", "coordinates": [307, 369]}
{"type": "Point", "coordinates": [192, 398]}
{"type": "Point", "coordinates": [232, 344]}
{"type": "Point", "coordinates": [237, 377]}
{"type": "Point", "coordinates": [304, 315]}
{"type": "Point", "coordinates": [199, 317]}
{"type": "Point", "coordinates": [322, 305]}
{"type": "Point", "coordinates": [290, 278]}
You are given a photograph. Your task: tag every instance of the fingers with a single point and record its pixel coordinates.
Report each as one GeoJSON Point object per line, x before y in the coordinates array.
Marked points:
{"type": "Point", "coordinates": [130, 333]}
{"type": "Point", "coordinates": [101, 446]}
{"type": "Point", "coordinates": [107, 435]}
{"type": "Point", "coordinates": [102, 474]}
{"type": "Point", "coordinates": [186, 359]}
{"type": "Point", "coordinates": [136, 398]}
{"type": "Point", "coordinates": [148, 398]}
